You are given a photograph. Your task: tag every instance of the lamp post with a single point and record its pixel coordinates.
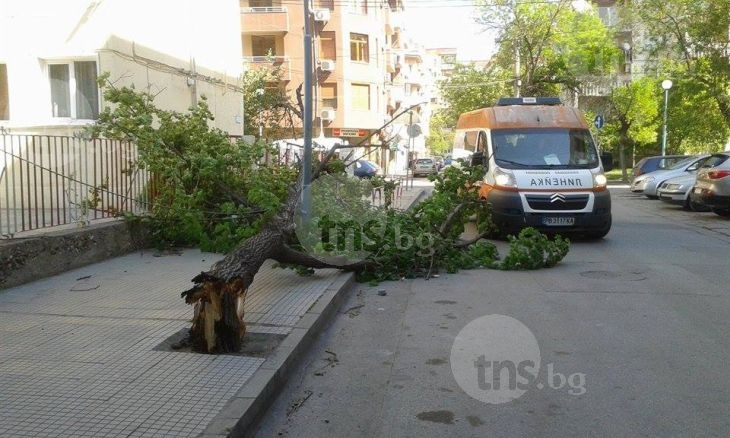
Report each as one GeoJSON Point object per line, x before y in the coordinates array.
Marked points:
{"type": "Point", "coordinates": [260, 93]}
{"type": "Point", "coordinates": [666, 85]}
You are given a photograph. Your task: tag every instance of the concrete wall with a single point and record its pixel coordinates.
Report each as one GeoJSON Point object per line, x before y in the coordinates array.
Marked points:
{"type": "Point", "coordinates": [27, 259]}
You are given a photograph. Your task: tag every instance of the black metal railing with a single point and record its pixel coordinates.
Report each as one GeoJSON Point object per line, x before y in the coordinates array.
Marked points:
{"type": "Point", "coordinates": [47, 181]}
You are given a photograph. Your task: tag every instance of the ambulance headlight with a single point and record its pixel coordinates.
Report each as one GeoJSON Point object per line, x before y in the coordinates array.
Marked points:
{"type": "Point", "coordinates": [599, 180]}
{"type": "Point", "coordinates": [504, 178]}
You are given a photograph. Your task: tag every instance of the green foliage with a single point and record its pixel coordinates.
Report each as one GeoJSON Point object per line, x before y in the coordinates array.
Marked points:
{"type": "Point", "coordinates": [532, 250]}
{"type": "Point", "coordinates": [441, 139]}
{"type": "Point", "coordinates": [206, 190]}
{"type": "Point", "coordinates": [469, 88]}
{"type": "Point", "coordinates": [266, 105]}
{"type": "Point", "coordinates": [417, 243]}
{"type": "Point", "coordinates": [558, 46]}
{"type": "Point", "coordinates": [686, 41]}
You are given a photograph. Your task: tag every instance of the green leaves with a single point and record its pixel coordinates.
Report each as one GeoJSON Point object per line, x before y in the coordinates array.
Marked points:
{"type": "Point", "coordinates": [206, 189]}
{"type": "Point", "coordinates": [532, 250]}
{"type": "Point", "coordinates": [428, 238]}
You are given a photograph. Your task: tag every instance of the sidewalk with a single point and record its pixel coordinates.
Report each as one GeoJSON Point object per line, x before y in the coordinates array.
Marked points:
{"type": "Point", "coordinates": [86, 353]}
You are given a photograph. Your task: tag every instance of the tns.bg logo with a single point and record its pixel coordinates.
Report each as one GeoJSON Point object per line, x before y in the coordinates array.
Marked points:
{"type": "Point", "coordinates": [496, 359]}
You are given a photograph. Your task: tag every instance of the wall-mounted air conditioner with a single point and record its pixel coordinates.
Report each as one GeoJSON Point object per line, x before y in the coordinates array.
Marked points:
{"type": "Point", "coordinates": [327, 65]}
{"type": "Point", "coordinates": [328, 114]}
{"type": "Point", "coordinates": [321, 15]}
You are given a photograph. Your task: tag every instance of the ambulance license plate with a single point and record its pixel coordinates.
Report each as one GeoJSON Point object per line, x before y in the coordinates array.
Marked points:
{"type": "Point", "coordinates": [558, 221]}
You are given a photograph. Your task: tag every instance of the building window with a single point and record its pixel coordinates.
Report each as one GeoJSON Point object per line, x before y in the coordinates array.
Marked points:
{"type": "Point", "coordinates": [329, 95]}
{"type": "Point", "coordinates": [260, 3]}
{"type": "Point", "coordinates": [361, 96]}
{"type": "Point", "coordinates": [327, 46]}
{"type": "Point", "coordinates": [359, 47]}
{"type": "Point", "coordinates": [263, 45]}
{"type": "Point", "coordinates": [79, 77]}
{"type": "Point", "coordinates": [4, 93]}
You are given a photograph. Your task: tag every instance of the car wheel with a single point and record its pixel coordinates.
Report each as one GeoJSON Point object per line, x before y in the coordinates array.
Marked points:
{"type": "Point", "coordinates": [724, 212]}
{"type": "Point", "coordinates": [696, 206]}
{"type": "Point", "coordinates": [600, 233]}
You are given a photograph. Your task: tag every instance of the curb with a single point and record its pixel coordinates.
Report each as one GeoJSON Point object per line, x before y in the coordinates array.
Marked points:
{"type": "Point", "coordinates": [241, 414]}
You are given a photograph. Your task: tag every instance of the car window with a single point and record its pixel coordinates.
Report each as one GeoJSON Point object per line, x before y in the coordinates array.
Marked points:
{"type": "Point", "coordinates": [683, 163]}
{"type": "Point", "coordinates": [670, 162]}
{"type": "Point", "coordinates": [715, 160]}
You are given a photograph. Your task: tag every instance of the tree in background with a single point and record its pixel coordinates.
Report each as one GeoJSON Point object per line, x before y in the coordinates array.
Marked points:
{"type": "Point", "coordinates": [688, 43]}
{"type": "Point", "coordinates": [442, 137]}
{"type": "Point", "coordinates": [267, 107]}
{"type": "Point", "coordinates": [557, 46]}
{"type": "Point", "coordinates": [470, 88]}
{"type": "Point", "coordinates": [632, 117]}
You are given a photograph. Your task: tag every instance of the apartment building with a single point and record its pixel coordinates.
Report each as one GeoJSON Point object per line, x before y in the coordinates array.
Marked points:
{"type": "Point", "coordinates": [51, 53]}
{"type": "Point", "coordinates": [366, 72]}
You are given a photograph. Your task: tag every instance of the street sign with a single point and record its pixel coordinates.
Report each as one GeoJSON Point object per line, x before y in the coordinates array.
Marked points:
{"type": "Point", "coordinates": [598, 121]}
{"type": "Point", "coordinates": [349, 132]}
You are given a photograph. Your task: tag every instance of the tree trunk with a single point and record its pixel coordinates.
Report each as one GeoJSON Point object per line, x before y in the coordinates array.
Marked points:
{"type": "Point", "coordinates": [219, 294]}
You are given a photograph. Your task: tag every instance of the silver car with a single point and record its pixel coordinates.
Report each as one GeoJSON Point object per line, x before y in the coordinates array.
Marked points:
{"type": "Point", "coordinates": [677, 190]}
{"type": "Point", "coordinates": [712, 187]}
{"type": "Point", "coordinates": [649, 182]}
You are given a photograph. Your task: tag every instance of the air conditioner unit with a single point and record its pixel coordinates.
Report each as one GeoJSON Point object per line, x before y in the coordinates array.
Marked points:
{"type": "Point", "coordinates": [327, 65]}
{"type": "Point", "coordinates": [328, 114]}
{"type": "Point", "coordinates": [321, 15]}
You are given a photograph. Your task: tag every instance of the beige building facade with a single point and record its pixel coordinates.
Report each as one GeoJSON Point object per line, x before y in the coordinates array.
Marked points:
{"type": "Point", "coordinates": [365, 74]}
{"type": "Point", "coordinates": [51, 53]}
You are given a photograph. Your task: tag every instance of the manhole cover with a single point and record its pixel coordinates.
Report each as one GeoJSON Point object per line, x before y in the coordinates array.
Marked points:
{"type": "Point", "coordinates": [614, 275]}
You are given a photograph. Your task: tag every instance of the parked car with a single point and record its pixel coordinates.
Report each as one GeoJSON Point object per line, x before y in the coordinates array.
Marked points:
{"type": "Point", "coordinates": [677, 190]}
{"type": "Point", "coordinates": [712, 187]}
{"type": "Point", "coordinates": [649, 182]}
{"type": "Point", "coordinates": [365, 169]}
{"type": "Point", "coordinates": [424, 166]}
{"type": "Point", "coordinates": [650, 164]}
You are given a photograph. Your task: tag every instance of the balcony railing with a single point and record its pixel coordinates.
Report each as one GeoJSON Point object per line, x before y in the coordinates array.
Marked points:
{"type": "Point", "coordinates": [271, 63]}
{"type": "Point", "coordinates": [265, 20]}
{"type": "Point", "coordinates": [602, 86]}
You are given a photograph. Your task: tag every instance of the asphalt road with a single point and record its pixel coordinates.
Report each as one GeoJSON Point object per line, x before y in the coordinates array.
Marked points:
{"type": "Point", "coordinates": [632, 337]}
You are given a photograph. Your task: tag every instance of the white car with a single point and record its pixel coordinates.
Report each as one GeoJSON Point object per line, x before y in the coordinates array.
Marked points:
{"type": "Point", "coordinates": [676, 191]}
{"type": "Point", "coordinates": [649, 182]}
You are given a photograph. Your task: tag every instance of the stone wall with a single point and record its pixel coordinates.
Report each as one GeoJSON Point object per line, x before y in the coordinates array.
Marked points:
{"type": "Point", "coordinates": [26, 259]}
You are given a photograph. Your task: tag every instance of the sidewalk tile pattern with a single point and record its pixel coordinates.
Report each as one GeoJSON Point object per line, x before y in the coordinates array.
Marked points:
{"type": "Point", "coordinates": [78, 358]}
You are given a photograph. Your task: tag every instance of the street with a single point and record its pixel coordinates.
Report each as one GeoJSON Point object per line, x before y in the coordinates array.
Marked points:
{"type": "Point", "coordinates": [632, 333]}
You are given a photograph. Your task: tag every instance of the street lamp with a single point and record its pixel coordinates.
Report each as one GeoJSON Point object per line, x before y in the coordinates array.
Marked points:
{"type": "Point", "coordinates": [260, 92]}
{"type": "Point", "coordinates": [666, 85]}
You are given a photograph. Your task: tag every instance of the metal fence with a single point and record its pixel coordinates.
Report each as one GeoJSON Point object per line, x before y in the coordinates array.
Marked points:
{"type": "Point", "coordinates": [47, 181]}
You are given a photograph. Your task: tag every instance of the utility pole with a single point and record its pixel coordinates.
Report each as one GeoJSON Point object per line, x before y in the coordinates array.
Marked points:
{"type": "Point", "coordinates": [307, 159]}
{"type": "Point", "coordinates": [516, 43]}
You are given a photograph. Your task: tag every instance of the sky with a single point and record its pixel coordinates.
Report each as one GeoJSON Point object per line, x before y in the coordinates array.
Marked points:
{"type": "Point", "coordinates": [448, 23]}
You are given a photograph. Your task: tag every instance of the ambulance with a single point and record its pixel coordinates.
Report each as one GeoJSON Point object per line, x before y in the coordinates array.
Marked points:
{"type": "Point", "coordinates": [542, 166]}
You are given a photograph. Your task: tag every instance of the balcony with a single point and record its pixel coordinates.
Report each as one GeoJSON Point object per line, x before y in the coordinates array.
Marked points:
{"type": "Point", "coordinates": [264, 20]}
{"type": "Point", "coordinates": [271, 63]}
{"type": "Point", "coordinates": [415, 77]}
{"type": "Point", "coordinates": [388, 20]}
{"type": "Point", "coordinates": [390, 59]}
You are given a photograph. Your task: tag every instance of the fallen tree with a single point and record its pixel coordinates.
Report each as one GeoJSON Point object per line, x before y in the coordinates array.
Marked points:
{"type": "Point", "coordinates": [221, 197]}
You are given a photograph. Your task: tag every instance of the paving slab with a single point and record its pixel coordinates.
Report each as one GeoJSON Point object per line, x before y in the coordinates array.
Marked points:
{"type": "Point", "coordinates": [83, 353]}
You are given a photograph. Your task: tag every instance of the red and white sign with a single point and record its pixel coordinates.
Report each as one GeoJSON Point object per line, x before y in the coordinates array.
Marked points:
{"type": "Point", "coordinates": [349, 132]}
